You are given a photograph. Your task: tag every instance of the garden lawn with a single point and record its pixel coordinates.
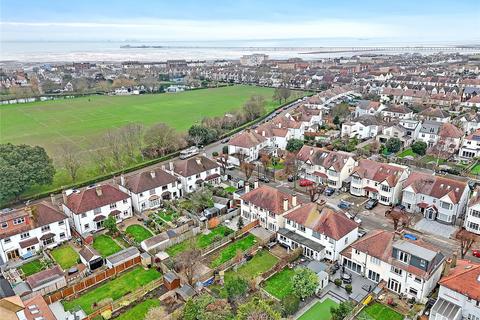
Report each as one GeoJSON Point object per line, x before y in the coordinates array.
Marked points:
{"type": "Point", "coordinates": [138, 232]}
{"type": "Point", "coordinates": [32, 267]}
{"type": "Point", "coordinates": [378, 311]}
{"type": "Point", "coordinates": [200, 241]}
{"type": "Point", "coordinates": [280, 284]}
{"type": "Point", "coordinates": [140, 310]}
{"type": "Point", "coordinates": [230, 189]}
{"type": "Point", "coordinates": [105, 245]}
{"type": "Point", "coordinates": [476, 169]}
{"type": "Point", "coordinates": [65, 256]}
{"type": "Point", "coordinates": [432, 159]}
{"type": "Point", "coordinates": [319, 311]}
{"type": "Point", "coordinates": [115, 289]}
{"type": "Point", "coordinates": [406, 153]}
{"type": "Point", "coordinates": [230, 250]}
{"type": "Point", "coordinates": [167, 215]}
{"type": "Point", "coordinates": [261, 262]}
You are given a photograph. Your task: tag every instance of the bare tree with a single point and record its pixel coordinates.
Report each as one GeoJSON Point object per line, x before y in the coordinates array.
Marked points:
{"type": "Point", "coordinates": [188, 262]}
{"type": "Point", "coordinates": [113, 141]}
{"type": "Point", "coordinates": [247, 169]}
{"type": "Point", "coordinates": [265, 159]}
{"type": "Point", "coordinates": [467, 239]}
{"type": "Point", "coordinates": [223, 161]}
{"type": "Point", "coordinates": [131, 136]}
{"type": "Point", "coordinates": [100, 157]}
{"type": "Point", "coordinates": [292, 167]}
{"type": "Point", "coordinates": [254, 108]}
{"type": "Point", "coordinates": [81, 85]}
{"type": "Point", "coordinates": [163, 139]}
{"type": "Point", "coordinates": [69, 159]}
{"type": "Point", "coordinates": [397, 217]}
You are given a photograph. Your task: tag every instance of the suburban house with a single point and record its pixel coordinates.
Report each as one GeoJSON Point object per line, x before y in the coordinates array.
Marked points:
{"type": "Point", "coordinates": [469, 121]}
{"type": "Point", "coordinates": [363, 127]}
{"type": "Point", "coordinates": [395, 131]}
{"type": "Point", "coordinates": [196, 171]}
{"type": "Point", "coordinates": [267, 205]}
{"type": "Point", "coordinates": [470, 147]}
{"type": "Point", "coordinates": [472, 216]}
{"type": "Point", "coordinates": [149, 188]}
{"type": "Point", "coordinates": [435, 114]}
{"type": "Point", "coordinates": [277, 137]}
{"type": "Point", "coordinates": [246, 146]}
{"type": "Point", "coordinates": [308, 117]}
{"type": "Point", "coordinates": [88, 208]}
{"type": "Point", "coordinates": [449, 139]}
{"type": "Point", "coordinates": [435, 197]}
{"type": "Point", "coordinates": [295, 128]}
{"type": "Point", "coordinates": [320, 231]}
{"type": "Point", "coordinates": [28, 230]}
{"type": "Point", "coordinates": [412, 127]}
{"type": "Point", "coordinates": [409, 267]}
{"type": "Point", "coordinates": [429, 132]}
{"type": "Point", "coordinates": [459, 294]}
{"type": "Point", "coordinates": [327, 167]}
{"type": "Point", "coordinates": [368, 107]}
{"type": "Point", "coordinates": [378, 180]}
{"type": "Point", "coordinates": [396, 111]}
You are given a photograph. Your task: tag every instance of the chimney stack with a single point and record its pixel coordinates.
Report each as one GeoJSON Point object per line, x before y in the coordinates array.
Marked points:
{"type": "Point", "coordinates": [294, 200]}
{"type": "Point", "coordinates": [255, 184]}
{"type": "Point", "coordinates": [122, 179]}
{"type": "Point", "coordinates": [454, 259]}
{"type": "Point", "coordinates": [114, 181]}
{"type": "Point", "coordinates": [152, 174]}
{"type": "Point", "coordinates": [52, 199]}
{"type": "Point", "coordinates": [263, 133]}
{"type": "Point", "coordinates": [64, 196]}
{"type": "Point", "coordinates": [98, 191]}
{"type": "Point", "coordinates": [170, 165]}
{"type": "Point", "coordinates": [247, 187]}
{"type": "Point", "coordinates": [285, 204]}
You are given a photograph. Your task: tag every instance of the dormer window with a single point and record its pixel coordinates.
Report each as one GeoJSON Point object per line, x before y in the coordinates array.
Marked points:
{"type": "Point", "coordinates": [19, 221]}
{"type": "Point", "coordinates": [25, 235]}
{"type": "Point", "coordinates": [4, 225]}
{"type": "Point", "coordinates": [403, 256]}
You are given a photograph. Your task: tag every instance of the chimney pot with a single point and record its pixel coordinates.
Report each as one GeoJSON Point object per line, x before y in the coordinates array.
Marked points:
{"type": "Point", "coordinates": [98, 191]}
{"type": "Point", "coordinates": [255, 184]}
{"type": "Point", "coordinates": [247, 187]}
{"type": "Point", "coordinates": [122, 179]}
{"type": "Point", "coordinates": [52, 199]}
{"type": "Point", "coordinates": [285, 204]}
{"type": "Point", "coordinates": [152, 173]}
{"type": "Point", "coordinates": [294, 200]}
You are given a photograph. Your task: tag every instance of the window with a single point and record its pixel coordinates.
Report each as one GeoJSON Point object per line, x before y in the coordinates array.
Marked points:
{"type": "Point", "coordinates": [84, 215]}
{"type": "Point", "coordinates": [45, 228]}
{"type": "Point", "coordinates": [113, 206]}
{"type": "Point", "coordinates": [151, 192]}
{"type": "Point", "coordinates": [403, 256]}
{"type": "Point", "coordinates": [4, 225]}
{"type": "Point", "coordinates": [374, 260]}
{"type": "Point", "coordinates": [413, 291]}
{"type": "Point", "coordinates": [302, 228]}
{"type": "Point", "coordinates": [385, 188]}
{"type": "Point", "coordinates": [384, 199]}
{"type": "Point", "coordinates": [7, 240]}
{"type": "Point", "coordinates": [373, 276]}
{"type": "Point", "coordinates": [346, 240]}
{"type": "Point", "coordinates": [473, 226]}
{"type": "Point", "coordinates": [164, 188]}
{"type": "Point", "coordinates": [86, 226]}
{"type": "Point", "coordinates": [423, 263]}
{"type": "Point", "coordinates": [418, 280]}
{"type": "Point", "coordinates": [357, 252]}
{"type": "Point", "coordinates": [475, 213]}
{"type": "Point", "coordinates": [445, 205]}
{"type": "Point", "coordinates": [125, 200]}
{"type": "Point", "coordinates": [97, 211]}
{"type": "Point", "coordinates": [288, 222]}
{"type": "Point", "coordinates": [62, 235]}
{"type": "Point", "coordinates": [396, 270]}
{"type": "Point", "coordinates": [141, 194]}
{"type": "Point", "coordinates": [19, 221]}
{"type": "Point", "coordinates": [61, 223]}
{"type": "Point", "coordinates": [24, 235]}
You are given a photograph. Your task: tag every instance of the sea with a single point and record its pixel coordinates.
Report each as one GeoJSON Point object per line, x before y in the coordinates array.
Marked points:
{"type": "Point", "coordinates": [116, 51]}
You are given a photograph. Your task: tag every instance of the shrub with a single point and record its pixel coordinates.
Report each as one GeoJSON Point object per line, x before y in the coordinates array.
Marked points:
{"type": "Point", "coordinates": [348, 288]}
{"type": "Point", "coordinates": [290, 304]}
{"type": "Point", "coordinates": [338, 282]}
{"type": "Point", "coordinates": [215, 154]}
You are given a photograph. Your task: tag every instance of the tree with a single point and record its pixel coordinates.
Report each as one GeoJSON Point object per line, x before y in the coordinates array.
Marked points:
{"type": "Point", "coordinates": [398, 216]}
{"type": "Point", "coordinates": [206, 307]}
{"type": "Point", "coordinates": [265, 159]}
{"type": "Point", "coordinates": [292, 167]}
{"type": "Point", "coordinates": [467, 239]}
{"type": "Point", "coordinates": [236, 288]}
{"type": "Point", "coordinates": [110, 224]}
{"type": "Point", "coordinates": [188, 262]}
{"type": "Point", "coordinates": [290, 304]}
{"type": "Point", "coordinates": [294, 145]}
{"type": "Point", "coordinates": [199, 134]}
{"type": "Point", "coordinates": [247, 169]}
{"type": "Point", "coordinates": [131, 138]}
{"type": "Point", "coordinates": [341, 110]}
{"type": "Point", "coordinates": [22, 166]}
{"type": "Point", "coordinates": [113, 143]}
{"type": "Point", "coordinates": [223, 161]}
{"type": "Point", "coordinates": [393, 145]}
{"type": "Point", "coordinates": [304, 282]}
{"type": "Point", "coordinates": [161, 139]}
{"type": "Point", "coordinates": [254, 107]}
{"type": "Point", "coordinates": [343, 310]}
{"type": "Point", "coordinates": [336, 120]}
{"type": "Point", "coordinates": [70, 159]}
{"type": "Point", "coordinates": [202, 199]}
{"type": "Point", "coordinates": [240, 222]}
{"type": "Point", "coordinates": [285, 93]}
{"type": "Point", "coordinates": [257, 309]}
{"type": "Point", "coordinates": [419, 147]}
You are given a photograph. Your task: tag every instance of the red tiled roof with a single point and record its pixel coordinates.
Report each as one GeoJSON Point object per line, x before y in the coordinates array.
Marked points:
{"type": "Point", "coordinates": [268, 198]}
{"type": "Point", "coordinates": [323, 220]}
{"type": "Point", "coordinates": [464, 279]}
{"type": "Point", "coordinates": [448, 130]}
{"type": "Point", "coordinates": [36, 308]}
{"type": "Point", "coordinates": [320, 174]}
{"type": "Point", "coordinates": [325, 158]}
{"type": "Point", "coordinates": [148, 180]}
{"type": "Point", "coordinates": [91, 198]}
{"type": "Point", "coordinates": [436, 186]}
{"type": "Point", "coordinates": [247, 139]}
{"type": "Point", "coordinates": [193, 166]}
{"type": "Point", "coordinates": [379, 172]}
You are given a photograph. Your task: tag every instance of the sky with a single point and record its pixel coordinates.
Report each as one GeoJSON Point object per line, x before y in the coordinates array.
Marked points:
{"type": "Point", "coordinates": [204, 20]}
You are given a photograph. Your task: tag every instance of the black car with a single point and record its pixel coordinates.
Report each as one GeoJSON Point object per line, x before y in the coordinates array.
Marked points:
{"type": "Point", "coordinates": [372, 203]}
{"type": "Point", "coordinates": [361, 232]}
{"type": "Point", "coordinates": [292, 178]}
{"type": "Point", "coordinates": [329, 191]}
{"type": "Point", "coordinates": [264, 179]}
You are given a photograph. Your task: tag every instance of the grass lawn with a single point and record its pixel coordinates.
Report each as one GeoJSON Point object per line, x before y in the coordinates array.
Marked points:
{"type": "Point", "coordinates": [277, 166]}
{"type": "Point", "coordinates": [230, 189]}
{"type": "Point", "coordinates": [115, 289]}
{"type": "Point", "coordinates": [261, 262]}
{"type": "Point", "coordinates": [140, 310]}
{"type": "Point", "coordinates": [65, 256]}
{"type": "Point", "coordinates": [406, 153]}
{"type": "Point", "coordinates": [167, 215]}
{"type": "Point", "coordinates": [476, 169]}
{"type": "Point", "coordinates": [378, 311]}
{"type": "Point", "coordinates": [201, 241]}
{"type": "Point", "coordinates": [230, 251]}
{"type": "Point", "coordinates": [319, 311]}
{"type": "Point", "coordinates": [138, 232]}
{"type": "Point", "coordinates": [32, 267]}
{"type": "Point", "coordinates": [280, 284]}
{"type": "Point", "coordinates": [432, 159]}
{"type": "Point", "coordinates": [105, 245]}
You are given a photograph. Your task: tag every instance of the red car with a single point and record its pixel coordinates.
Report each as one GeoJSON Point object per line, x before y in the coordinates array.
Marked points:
{"type": "Point", "coordinates": [305, 183]}
{"type": "Point", "coordinates": [476, 253]}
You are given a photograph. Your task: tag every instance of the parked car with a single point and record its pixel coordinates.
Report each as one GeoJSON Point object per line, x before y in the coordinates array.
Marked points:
{"type": "Point", "coordinates": [329, 191]}
{"type": "Point", "coordinates": [305, 183]}
{"type": "Point", "coordinates": [372, 203]}
{"type": "Point", "coordinates": [292, 178]}
{"type": "Point", "coordinates": [409, 236]}
{"type": "Point", "coordinates": [344, 205]}
{"type": "Point", "coordinates": [264, 179]}
{"type": "Point", "coordinates": [361, 232]}
{"type": "Point", "coordinates": [225, 140]}
{"type": "Point", "coordinates": [476, 253]}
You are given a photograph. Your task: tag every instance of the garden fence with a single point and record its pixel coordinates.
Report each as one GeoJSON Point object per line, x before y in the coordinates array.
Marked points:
{"type": "Point", "coordinates": [228, 216]}
{"type": "Point", "coordinates": [173, 241]}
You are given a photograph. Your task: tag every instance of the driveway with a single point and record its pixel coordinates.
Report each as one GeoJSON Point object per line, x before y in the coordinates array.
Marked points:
{"type": "Point", "coordinates": [434, 227]}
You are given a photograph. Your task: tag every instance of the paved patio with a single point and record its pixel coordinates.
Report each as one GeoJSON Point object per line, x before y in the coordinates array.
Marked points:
{"type": "Point", "coordinates": [360, 288]}
{"type": "Point", "coordinates": [434, 227]}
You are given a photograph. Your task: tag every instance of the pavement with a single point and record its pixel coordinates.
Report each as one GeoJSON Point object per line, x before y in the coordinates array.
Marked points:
{"type": "Point", "coordinates": [435, 227]}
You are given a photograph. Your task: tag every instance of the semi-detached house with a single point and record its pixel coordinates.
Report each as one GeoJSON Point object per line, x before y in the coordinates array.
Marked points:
{"type": "Point", "coordinates": [25, 231]}
{"type": "Point", "coordinates": [435, 197]}
{"type": "Point", "coordinates": [195, 172]}
{"type": "Point", "coordinates": [321, 232]}
{"type": "Point", "coordinates": [149, 189]}
{"type": "Point", "coordinates": [322, 166]}
{"type": "Point", "coordinates": [472, 216]}
{"type": "Point", "coordinates": [246, 146]}
{"type": "Point", "coordinates": [90, 207]}
{"type": "Point", "coordinates": [407, 267]}
{"type": "Point", "coordinates": [378, 180]}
